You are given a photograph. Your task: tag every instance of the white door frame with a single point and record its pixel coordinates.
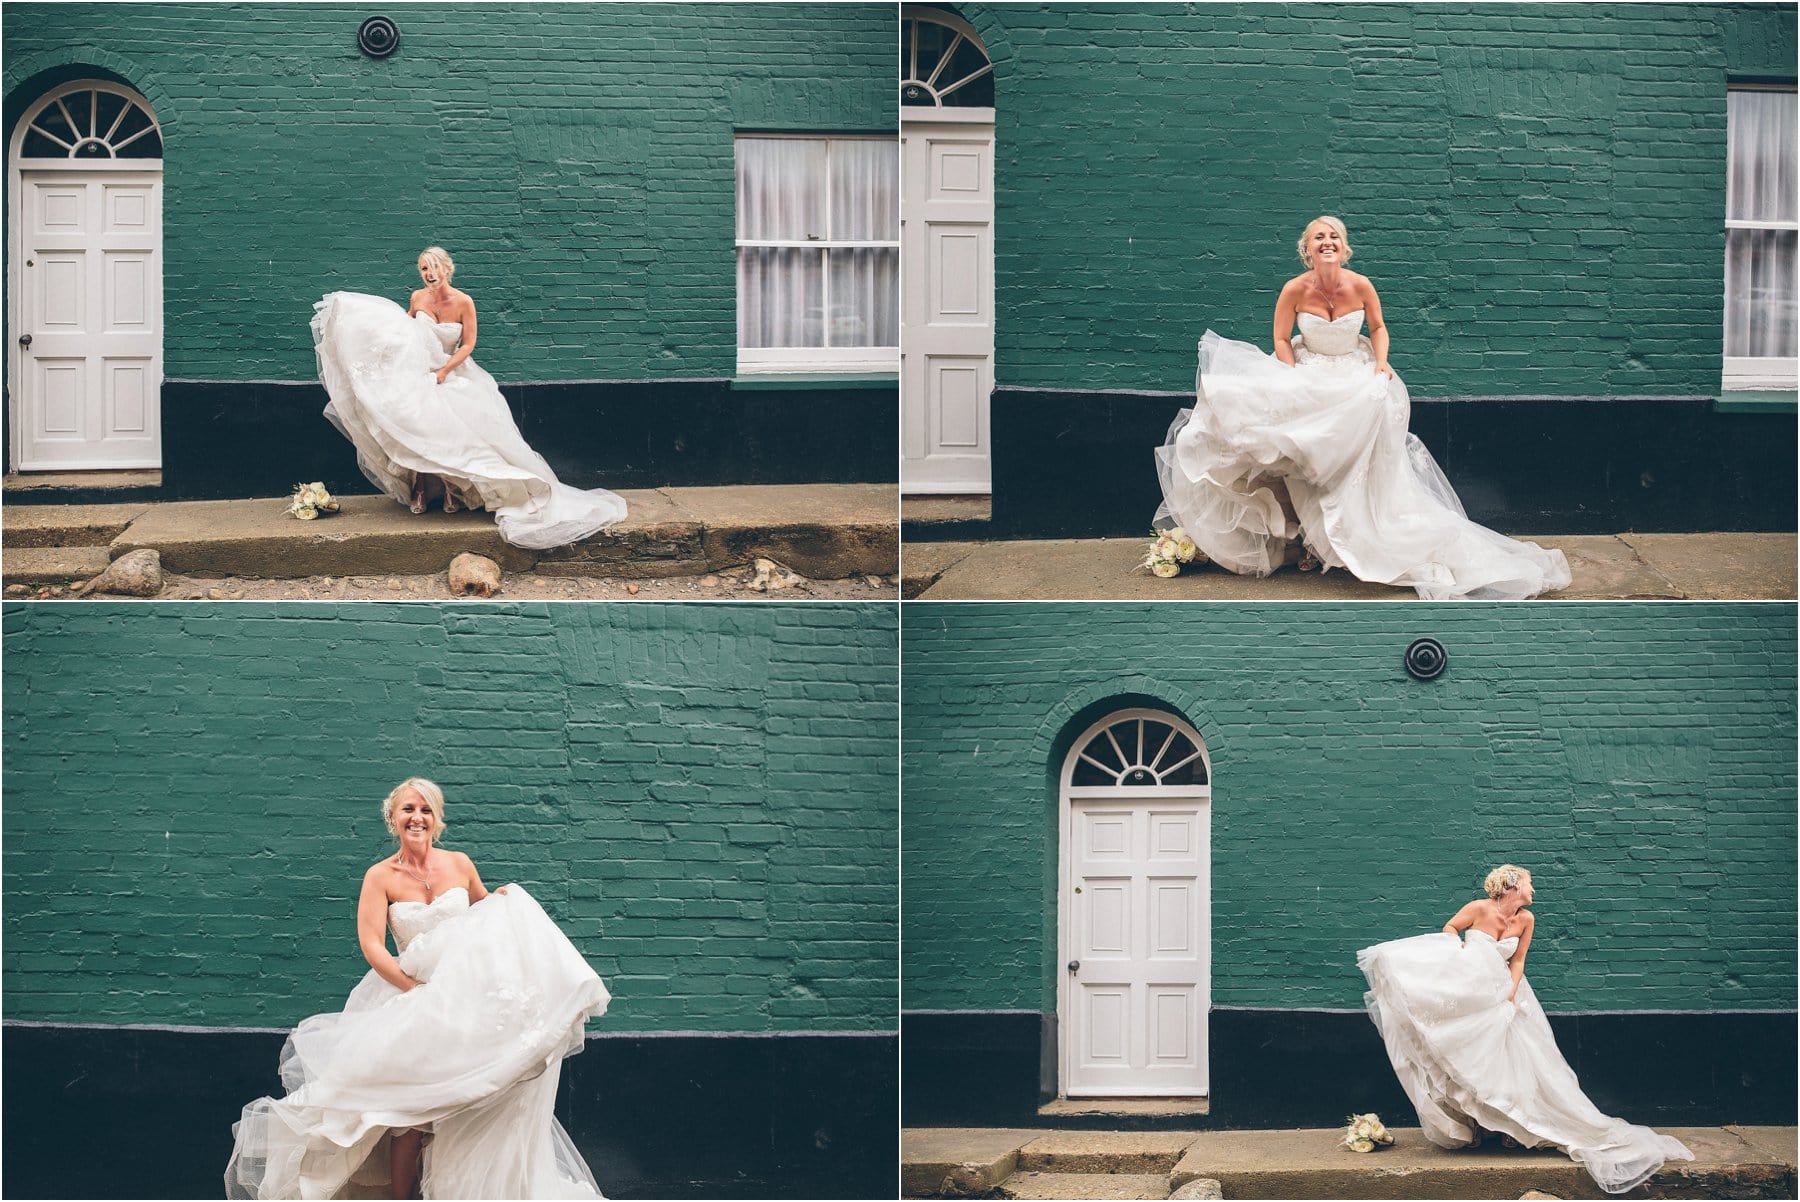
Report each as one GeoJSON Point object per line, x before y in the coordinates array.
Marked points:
{"type": "Point", "coordinates": [1067, 793]}
{"type": "Point", "coordinates": [16, 170]}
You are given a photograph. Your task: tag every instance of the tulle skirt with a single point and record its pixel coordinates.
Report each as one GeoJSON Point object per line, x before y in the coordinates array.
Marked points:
{"type": "Point", "coordinates": [378, 365]}
{"type": "Point", "coordinates": [1468, 1058]}
{"type": "Point", "coordinates": [472, 1055]}
{"type": "Point", "coordinates": [1367, 494]}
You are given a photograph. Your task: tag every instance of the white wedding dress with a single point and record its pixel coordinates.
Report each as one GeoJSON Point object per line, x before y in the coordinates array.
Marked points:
{"type": "Point", "coordinates": [378, 366]}
{"type": "Point", "coordinates": [1368, 495]}
{"type": "Point", "coordinates": [1469, 1058]}
{"type": "Point", "coordinates": [473, 1055]}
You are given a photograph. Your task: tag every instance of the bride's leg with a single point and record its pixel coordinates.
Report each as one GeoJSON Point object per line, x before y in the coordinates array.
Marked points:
{"type": "Point", "coordinates": [428, 488]}
{"type": "Point", "coordinates": [403, 1163]}
{"type": "Point", "coordinates": [1277, 485]}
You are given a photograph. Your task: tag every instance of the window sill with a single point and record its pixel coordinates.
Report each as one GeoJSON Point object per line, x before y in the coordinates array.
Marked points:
{"type": "Point", "coordinates": [1759, 400]}
{"type": "Point", "coordinates": [787, 381]}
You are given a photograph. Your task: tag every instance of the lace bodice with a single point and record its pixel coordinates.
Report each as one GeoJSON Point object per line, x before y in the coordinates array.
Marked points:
{"type": "Point", "coordinates": [410, 919]}
{"type": "Point", "coordinates": [1331, 338]}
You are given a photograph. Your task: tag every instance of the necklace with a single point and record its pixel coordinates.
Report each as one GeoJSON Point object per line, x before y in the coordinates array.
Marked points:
{"type": "Point", "coordinates": [1329, 298]}
{"type": "Point", "coordinates": [400, 863]}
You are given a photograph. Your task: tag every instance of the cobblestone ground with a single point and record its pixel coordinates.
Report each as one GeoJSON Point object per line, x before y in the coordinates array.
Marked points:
{"type": "Point", "coordinates": [526, 586]}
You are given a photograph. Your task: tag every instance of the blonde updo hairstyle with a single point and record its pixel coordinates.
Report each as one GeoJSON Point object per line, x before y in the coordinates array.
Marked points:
{"type": "Point", "coordinates": [1342, 233]}
{"type": "Point", "coordinates": [441, 257]}
{"type": "Point", "coordinates": [424, 788]}
{"type": "Point", "coordinates": [1504, 878]}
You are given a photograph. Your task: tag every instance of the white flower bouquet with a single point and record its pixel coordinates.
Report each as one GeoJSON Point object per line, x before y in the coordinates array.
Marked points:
{"type": "Point", "coordinates": [1365, 1133]}
{"type": "Point", "coordinates": [311, 501]}
{"type": "Point", "coordinates": [1170, 551]}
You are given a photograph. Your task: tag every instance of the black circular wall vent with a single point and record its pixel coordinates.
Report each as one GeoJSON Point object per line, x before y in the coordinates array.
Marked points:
{"type": "Point", "coordinates": [378, 37]}
{"type": "Point", "coordinates": [1426, 659]}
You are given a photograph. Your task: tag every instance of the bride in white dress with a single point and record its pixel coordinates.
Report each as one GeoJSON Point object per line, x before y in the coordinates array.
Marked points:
{"type": "Point", "coordinates": [428, 422]}
{"type": "Point", "coordinates": [1312, 444]}
{"type": "Point", "coordinates": [1475, 1053]}
{"type": "Point", "coordinates": [461, 1035]}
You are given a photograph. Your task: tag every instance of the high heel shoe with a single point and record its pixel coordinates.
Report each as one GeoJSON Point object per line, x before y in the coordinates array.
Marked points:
{"type": "Point", "coordinates": [418, 497]}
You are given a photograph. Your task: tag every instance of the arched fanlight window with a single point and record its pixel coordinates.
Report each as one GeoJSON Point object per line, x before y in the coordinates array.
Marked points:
{"type": "Point", "coordinates": [92, 121]}
{"type": "Point", "coordinates": [942, 62]}
{"type": "Point", "coordinates": [1137, 748]}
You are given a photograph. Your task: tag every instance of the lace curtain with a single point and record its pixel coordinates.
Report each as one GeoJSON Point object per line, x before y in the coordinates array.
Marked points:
{"type": "Point", "coordinates": [1761, 238]}
{"type": "Point", "coordinates": [812, 217]}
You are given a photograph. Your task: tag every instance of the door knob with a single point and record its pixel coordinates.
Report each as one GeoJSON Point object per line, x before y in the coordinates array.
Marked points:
{"type": "Point", "coordinates": [1074, 966]}
{"type": "Point", "coordinates": [24, 339]}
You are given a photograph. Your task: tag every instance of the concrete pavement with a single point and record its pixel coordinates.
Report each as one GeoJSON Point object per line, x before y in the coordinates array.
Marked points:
{"type": "Point", "coordinates": [1630, 566]}
{"type": "Point", "coordinates": [823, 532]}
{"type": "Point", "coordinates": [1729, 1162]}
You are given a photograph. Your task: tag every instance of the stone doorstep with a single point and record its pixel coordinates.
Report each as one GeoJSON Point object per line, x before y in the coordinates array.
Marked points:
{"type": "Point", "coordinates": [1085, 1185]}
{"type": "Point", "coordinates": [1735, 1162]}
{"type": "Point", "coordinates": [1308, 1164]}
{"type": "Point", "coordinates": [1129, 1152]}
{"type": "Point", "coordinates": [822, 532]}
{"type": "Point", "coordinates": [67, 525]}
{"type": "Point", "coordinates": [51, 565]}
{"type": "Point", "coordinates": [957, 1162]}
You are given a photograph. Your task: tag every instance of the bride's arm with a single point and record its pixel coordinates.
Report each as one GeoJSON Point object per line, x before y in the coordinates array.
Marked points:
{"type": "Point", "coordinates": [477, 890]}
{"type": "Point", "coordinates": [1378, 333]}
{"type": "Point", "coordinates": [1286, 305]}
{"type": "Point", "coordinates": [1518, 958]}
{"type": "Point", "coordinates": [1464, 919]}
{"type": "Point", "coordinates": [465, 348]}
{"type": "Point", "coordinates": [371, 932]}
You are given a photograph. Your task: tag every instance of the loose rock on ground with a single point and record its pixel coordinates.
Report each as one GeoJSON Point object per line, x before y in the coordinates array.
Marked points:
{"type": "Point", "coordinates": [134, 574]}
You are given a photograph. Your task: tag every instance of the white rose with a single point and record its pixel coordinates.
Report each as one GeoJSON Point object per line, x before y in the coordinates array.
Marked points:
{"type": "Point", "coordinates": [1362, 1145]}
{"type": "Point", "coordinates": [306, 513]}
{"type": "Point", "coordinates": [1185, 550]}
{"type": "Point", "coordinates": [1165, 568]}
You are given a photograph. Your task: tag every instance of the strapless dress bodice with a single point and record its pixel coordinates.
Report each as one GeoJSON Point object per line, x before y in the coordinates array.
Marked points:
{"type": "Point", "coordinates": [1506, 947]}
{"type": "Point", "coordinates": [1330, 338]}
{"type": "Point", "coordinates": [446, 333]}
{"type": "Point", "coordinates": [410, 919]}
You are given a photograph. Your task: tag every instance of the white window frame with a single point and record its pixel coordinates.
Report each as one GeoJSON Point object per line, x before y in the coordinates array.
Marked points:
{"type": "Point", "coordinates": [805, 360]}
{"type": "Point", "coordinates": [1742, 373]}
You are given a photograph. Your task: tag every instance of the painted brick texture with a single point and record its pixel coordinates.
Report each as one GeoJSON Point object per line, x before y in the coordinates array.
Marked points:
{"type": "Point", "coordinates": [576, 159]}
{"type": "Point", "coordinates": [1538, 192]}
{"type": "Point", "coordinates": [702, 796]}
{"type": "Point", "coordinates": [1640, 759]}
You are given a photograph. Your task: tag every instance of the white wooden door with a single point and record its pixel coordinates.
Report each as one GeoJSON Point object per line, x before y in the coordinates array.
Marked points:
{"type": "Point", "coordinates": [1136, 933]}
{"type": "Point", "coordinates": [947, 313]}
{"type": "Point", "coordinates": [88, 256]}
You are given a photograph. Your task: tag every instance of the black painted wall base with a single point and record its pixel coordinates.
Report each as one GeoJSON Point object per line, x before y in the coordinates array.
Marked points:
{"type": "Point", "coordinates": [223, 439]}
{"type": "Point", "coordinates": [107, 1112]}
{"type": "Point", "coordinates": [1308, 1068]}
{"type": "Point", "coordinates": [1081, 464]}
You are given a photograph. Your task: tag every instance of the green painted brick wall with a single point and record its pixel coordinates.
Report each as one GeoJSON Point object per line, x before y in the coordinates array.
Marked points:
{"type": "Point", "coordinates": [575, 158]}
{"type": "Point", "coordinates": [703, 796]}
{"type": "Point", "coordinates": [1639, 758]}
{"type": "Point", "coordinates": [1538, 191]}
